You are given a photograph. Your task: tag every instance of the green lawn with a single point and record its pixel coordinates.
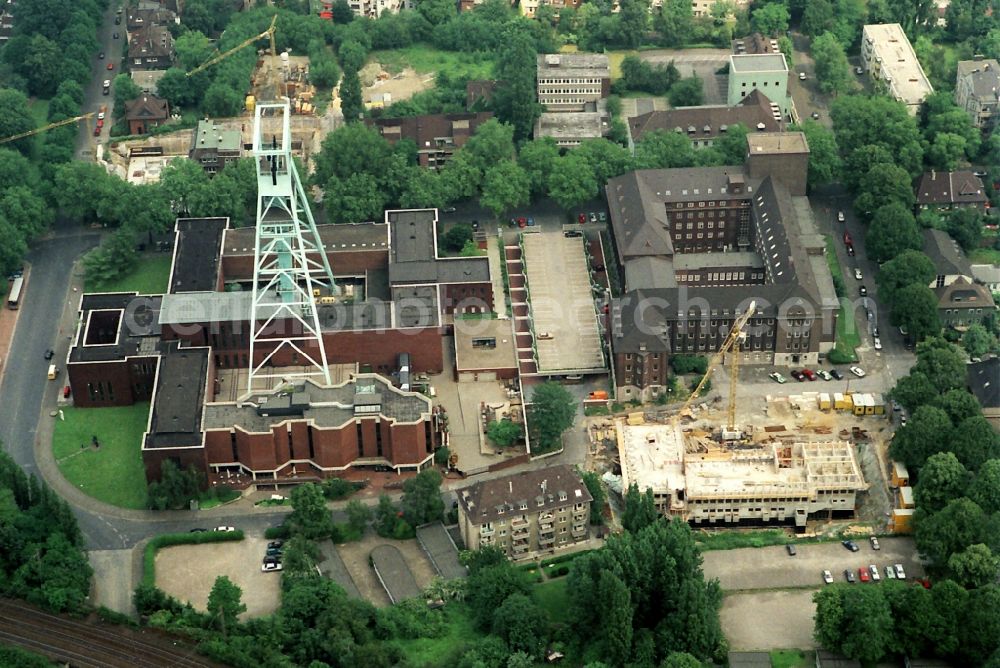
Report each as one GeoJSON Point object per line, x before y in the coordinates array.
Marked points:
{"type": "Point", "coordinates": [150, 277]}
{"type": "Point", "coordinates": [425, 59]}
{"type": "Point", "coordinates": [791, 658]}
{"type": "Point", "coordinates": [113, 473]}
{"type": "Point", "coordinates": [553, 598]}
{"type": "Point", "coordinates": [985, 256]}
{"type": "Point", "coordinates": [437, 651]}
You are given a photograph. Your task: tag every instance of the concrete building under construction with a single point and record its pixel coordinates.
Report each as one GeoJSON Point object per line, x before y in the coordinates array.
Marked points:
{"type": "Point", "coordinates": [776, 481]}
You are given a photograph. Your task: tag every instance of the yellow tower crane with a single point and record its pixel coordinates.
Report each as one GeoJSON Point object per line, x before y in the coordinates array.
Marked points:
{"type": "Point", "coordinates": [45, 128]}
{"type": "Point", "coordinates": [269, 33]}
{"type": "Point", "coordinates": [731, 345]}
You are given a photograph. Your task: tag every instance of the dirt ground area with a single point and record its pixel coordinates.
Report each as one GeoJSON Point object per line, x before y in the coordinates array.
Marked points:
{"type": "Point", "coordinates": [355, 556]}
{"type": "Point", "coordinates": [769, 620]}
{"type": "Point", "coordinates": [188, 572]}
{"type": "Point", "coordinates": [400, 86]}
{"type": "Point", "coordinates": [112, 582]}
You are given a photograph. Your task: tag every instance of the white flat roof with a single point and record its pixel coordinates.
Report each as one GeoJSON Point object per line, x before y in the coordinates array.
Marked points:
{"type": "Point", "coordinates": [907, 81]}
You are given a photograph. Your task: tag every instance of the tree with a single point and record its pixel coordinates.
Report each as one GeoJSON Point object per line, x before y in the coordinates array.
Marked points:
{"type": "Point", "coordinates": [492, 144]}
{"type": "Point", "coordinates": [299, 557]}
{"type": "Point", "coordinates": [13, 249]}
{"type": "Point", "coordinates": [55, 574]}
{"type": "Point", "coordinates": [124, 89]}
{"type": "Point", "coordinates": [222, 100]}
{"type": "Point", "coordinates": [833, 72]}
{"type": "Point", "coordinates": [954, 528]}
{"type": "Point", "coordinates": [817, 18]}
{"type": "Point", "coordinates": [965, 225]}
{"type": "Point", "coordinates": [175, 488]}
{"type": "Point", "coordinates": [687, 92]}
{"type": "Point", "coordinates": [358, 198]}
{"type": "Point", "coordinates": [175, 87]}
{"type": "Point", "coordinates": [323, 71]}
{"type": "Point", "coordinates": [386, 515]}
{"type": "Point", "coordinates": [351, 104]}
{"type": "Point", "coordinates": [15, 118]}
{"type": "Point", "coordinates": [915, 309]}
{"type": "Point", "coordinates": [489, 587]}
{"type": "Point", "coordinates": [942, 479]}
{"type": "Point", "coordinates": [945, 150]}
{"type": "Point", "coordinates": [881, 122]}
{"type": "Point", "coordinates": [974, 442]}
{"type": "Point", "coordinates": [640, 509]}
{"type": "Point", "coordinates": [922, 436]}
{"type": "Point", "coordinates": [421, 502]}
{"type": "Point", "coordinates": [824, 155]}
{"type": "Point", "coordinates": [633, 18]}
{"type": "Point", "coordinates": [515, 100]}
{"type": "Point", "coordinates": [942, 362]}
{"type": "Point", "coordinates": [358, 516]}
{"type": "Point", "coordinates": [550, 414]}
{"type": "Point", "coordinates": [28, 212]}
{"type": "Point", "coordinates": [521, 624]}
{"type": "Point", "coordinates": [976, 566]}
{"type": "Point", "coordinates": [884, 184]}
{"type": "Point", "coordinates": [958, 404]}
{"type": "Point", "coordinates": [855, 621]}
{"type": "Point", "coordinates": [771, 19]}
{"type": "Point", "coordinates": [596, 489]}
{"type": "Point", "coordinates": [456, 237]}
{"type": "Point", "coordinates": [663, 148]}
{"type": "Point", "coordinates": [892, 231]}
{"type": "Point", "coordinates": [504, 432]}
{"type": "Point", "coordinates": [906, 268]}
{"type": "Point", "coordinates": [571, 181]}
{"type": "Point", "coordinates": [985, 487]}
{"type": "Point", "coordinates": [505, 185]}
{"type": "Point", "coordinates": [309, 517]}
{"type": "Point", "coordinates": [225, 604]}
{"type": "Point", "coordinates": [617, 600]}
{"type": "Point", "coordinates": [680, 660]}
{"type": "Point", "coordinates": [538, 157]}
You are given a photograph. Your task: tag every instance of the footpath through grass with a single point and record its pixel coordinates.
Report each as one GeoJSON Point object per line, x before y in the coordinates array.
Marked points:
{"type": "Point", "coordinates": [150, 277]}
{"type": "Point", "coordinates": [112, 473]}
{"type": "Point", "coordinates": [425, 59]}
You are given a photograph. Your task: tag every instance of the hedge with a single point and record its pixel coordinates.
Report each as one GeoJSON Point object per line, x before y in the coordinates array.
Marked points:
{"type": "Point", "coordinates": [171, 539]}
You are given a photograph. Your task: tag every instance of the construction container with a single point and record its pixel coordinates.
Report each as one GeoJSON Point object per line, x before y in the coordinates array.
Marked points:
{"type": "Point", "coordinates": [902, 520]}
{"type": "Point", "coordinates": [251, 103]}
{"type": "Point", "coordinates": [842, 402]}
{"type": "Point", "coordinates": [906, 497]}
{"type": "Point", "coordinates": [879, 404]}
{"type": "Point", "coordinates": [864, 404]}
{"type": "Point", "coordinates": [824, 401]}
{"type": "Point", "coordinates": [635, 419]}
{"type": "Point", "coordinates": [900, 475]}
{"type": "Point", "coordinates": [598, 395]}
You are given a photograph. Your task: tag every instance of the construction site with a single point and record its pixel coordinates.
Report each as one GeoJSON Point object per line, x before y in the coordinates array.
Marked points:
{"type": "Point", "coordinates": [801, 461]}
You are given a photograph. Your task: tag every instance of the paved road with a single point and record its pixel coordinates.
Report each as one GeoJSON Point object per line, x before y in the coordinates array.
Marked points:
{"type": "Point", "coordinates": [93, 96]}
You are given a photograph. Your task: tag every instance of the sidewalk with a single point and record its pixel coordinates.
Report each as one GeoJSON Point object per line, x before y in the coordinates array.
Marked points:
{"type": "Point", "coordinates": [8, 324]}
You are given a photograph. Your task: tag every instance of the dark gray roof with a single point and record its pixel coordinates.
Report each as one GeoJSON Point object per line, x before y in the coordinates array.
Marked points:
{"type": "Point", "coordinates": [137, 331]}
{"type": "Point", "coordinates": [984, 75]}
{"type": "Point", "coordinates": [709, 122]}
{"type": "Point", "coordinates": [945, 253]}
{"type": "Point", "coordinates": [825, 659]}
{"type": "Point", "coordinates": [749, 660]}
{"type": "Point", "coordinates": [178, 399]}
{"type": "Point", "coordinates": [347, 237]}
{"type": "Point", "coordinates": [962, 187]}
{"type": "Point", "coordinates": [963, 293]}
{"type": "Point", "coordinates": [393, 573]}
{"type": "Point", "coordinates": [196, 254]}
{"type": "Point", "coordinates": [544, 489]}
{"type": "Point", "coordinates": [413, 254]}
{"type": "Point", "coordinates": [441, 550]}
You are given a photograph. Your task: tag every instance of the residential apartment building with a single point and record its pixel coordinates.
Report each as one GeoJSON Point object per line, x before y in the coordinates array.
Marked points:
{"type": "Point", "coordinates": [214, 147]}
{"type": "Point", "coordinates": [766, 72]}
{"type": "Point", "coordinates": [573, 81]}
{"type": "Point", "coordinates": [437, 136]}
{"type": "Point", "coordinates": [530, 7]}
{"type": "Point", "coordinates": [943, 191]}
{"type": "Point", "coordinates": [962, 300]}
{"type": "Point", "coordinates": [151, 48]}
{"type": "Point", "coordinates": [526, 514]}
{"type": "Point", "coordinates": [373, 9]}
{"type": "Point", "coordinates": [977, 91]}
{"type": "Point", "coordinates": [696, 245]}
{"type": "Point", "coordinates": [889, 59]}
{"type": "Point", "coordinates": [705, 125]}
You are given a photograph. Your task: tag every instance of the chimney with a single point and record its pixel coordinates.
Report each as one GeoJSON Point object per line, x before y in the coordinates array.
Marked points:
{"type": "Point", "coordinates": [544, 485]}
{"type": "Point", "coordinates": [510, 486]}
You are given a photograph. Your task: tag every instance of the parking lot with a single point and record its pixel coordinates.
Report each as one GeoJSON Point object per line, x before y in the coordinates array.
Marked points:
{"type": "Point", "coordinates": [187, 572]}
{"type": "Point", "coordinates": [769, 620]}
{"type": "Point", "coordinates": [773, 568]}
{"type": "Point", "coordinates": [563, 315]}
{"type": "Point", "coordinates": [356, 558]}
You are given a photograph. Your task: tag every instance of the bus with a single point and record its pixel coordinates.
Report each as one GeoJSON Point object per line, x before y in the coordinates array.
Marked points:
{"type": "Point", "coordinates": [14, 298]}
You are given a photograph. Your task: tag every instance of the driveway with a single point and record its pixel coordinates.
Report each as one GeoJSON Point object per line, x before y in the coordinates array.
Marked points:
{"type": "Point", "coordinates": [772, 567]}
{"type": "Point", "coordinates": [702, 63]}
{"type": "Point", "coordinates": [769, 620]}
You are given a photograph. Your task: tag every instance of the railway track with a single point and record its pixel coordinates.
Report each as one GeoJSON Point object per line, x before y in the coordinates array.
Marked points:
{"type": "Point", "coordinates": [84, 645]}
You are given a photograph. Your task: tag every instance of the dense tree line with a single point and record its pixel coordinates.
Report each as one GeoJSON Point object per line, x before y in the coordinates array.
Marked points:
{"type": "Point", "coordinates": [41, 548]}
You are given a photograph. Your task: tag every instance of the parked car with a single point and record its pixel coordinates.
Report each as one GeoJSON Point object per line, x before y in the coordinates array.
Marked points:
{"type": "Point", "coordinates": [267, 567]}
{"type": "Point", "coordinates": [227, 529]}
{"type": "Point", "coordinates": [815, 115]}
{"type": "Point", "coordinates": [857, 274]}
{"type": "Point", "coordinates": [890, 574]}
{"type": "Point", "coordinates": [777, 377]}
{"type": "Point", "coordinates": [840, 217]}
{"type": "Point", "coordinates": [863, 291]}
{"type": "Point", "coordinates": [849, 575]}
{"type": "Point", "coordinates": [49, 354]}
{"type": "Point", "coordinates": [858, 371]}
{"type": "Point", "coordinates": [848, 241]}
{"type": "Point", "coordinates": [836, 374]}
{"type": "Point", "coordinates": [531, 221]}
{"type": "Point", "coordinates": [878, 343]}
{"type": "Point", "coordinates": [273, 552]}
{"type": "Point", "coordinates": [896, 407]}
{"type": "Point", "coordinates": [828, 577]}
{"type": "Point", "coordinates": [797, 375]}
{"type": "Point", "coordinates": [572, 233]}
{"type": "Point", "coordinates": [197, 530]}
{"type": "Point", "coordinates": [863, 574]}
{"type": "Point", "coordinates": [582, 218]}
{"type": "Point", "coordinates": [808, 373]}
{"type": "Point", "coordinates": [67, 390]}
{"type": "Point", "coordinates": [790, 549]}
{"type": "Point", "coordinates": [858, 71]}
{"type": "Point", "coordinates": [115, 36]}
{"type": "Point", "coordinates": [602, 217]}
{"type": "Point", "coordinates": [874, 541]}
{"type": "Point", "coordinates": [802, 76]}
{"type": "Point", "coordinates": [111, 66]}
{"type": "Point", "coordinates": [980, 173]}
{"type": "Point", "coordinates": [850, 251]}
{"type": "Point", "coordinates": [276, 543]}
{"type": "Point", "coordinates": [850, 545]}
{"type": "Point", "coordinates": [118, 21]}
{"type": "Point", "coordinates": [100, 115]}
{"type": "Point", "coordinates": [522, 222]}
{"type": "Point", "coordinates": [101, 55]}
{"type": "Point", "coordinates": [593, 217]}
{"type": "Point", "coordinates": [824, 374]}
{"type": "Point", "coordinates": [900, 573]}
{"type": "Point", "coordinates": [873, 569]}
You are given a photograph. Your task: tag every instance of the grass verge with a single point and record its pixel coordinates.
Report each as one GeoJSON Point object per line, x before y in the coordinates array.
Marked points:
{"type": "Point", "coordinates": [425, 59]}
{"type": "Point", "coordinates": [731, 540]}
{"type": "Point", "coordinates": [848, 337]}
{"type": "Point", "coordinates": [791, 658]}
{"type": "Point", "coordinates": [114, 472]}
{"type": "Point", "coordinates": [984, 256]}
{"type": "Point", "coordinates": [171, 539]}
{"type": "Point", "coordinates": [150, 277]}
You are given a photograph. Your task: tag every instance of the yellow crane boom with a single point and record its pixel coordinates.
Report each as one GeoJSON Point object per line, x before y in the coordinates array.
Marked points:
{"type": "Point", "coordinates": [731, 344]}
{"type": "Point", "coordinates": [269, 33]}
{"type": "Point", "coordinates": [36, 131]}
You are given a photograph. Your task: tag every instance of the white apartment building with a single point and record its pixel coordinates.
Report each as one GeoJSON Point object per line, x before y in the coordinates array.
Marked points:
{"type": "Point", "coordinates": [889, 59]}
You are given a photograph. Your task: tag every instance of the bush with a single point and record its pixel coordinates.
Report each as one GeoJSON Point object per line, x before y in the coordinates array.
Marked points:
{"type": "Point", "coordinates": [836, 356]}
{"type": "Point", "coordinates": [280, 532]}
{"type": "Point", "coordinates": [441, 456]}
{"type": "Point", "coordinates": [403, 530]}
{"type": "Point", "coordinates": [689, 364]}
{"type": "Point", "coordinates": [335, 488]}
